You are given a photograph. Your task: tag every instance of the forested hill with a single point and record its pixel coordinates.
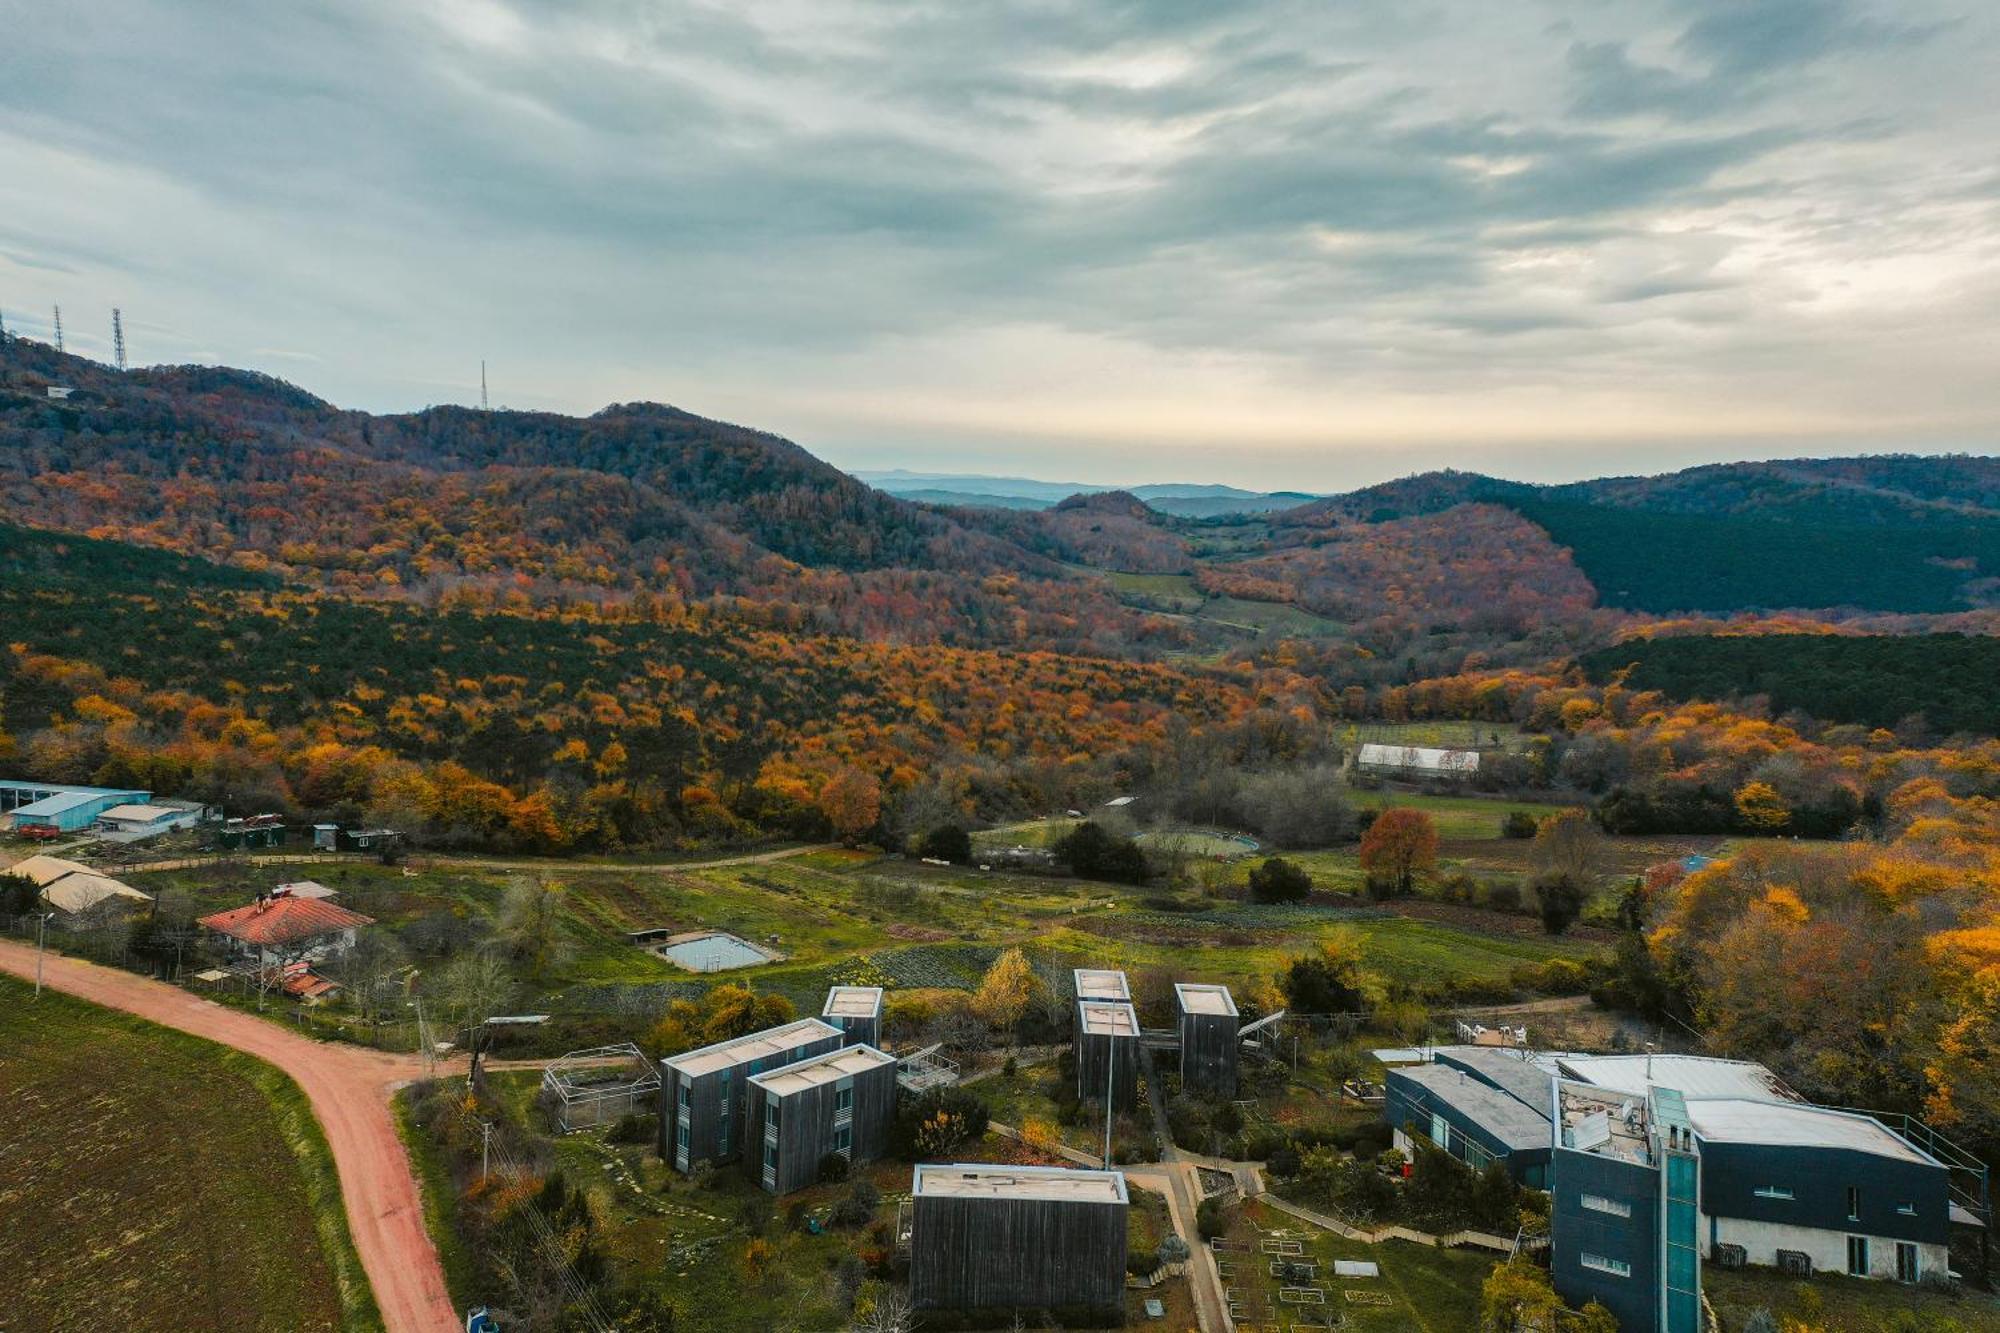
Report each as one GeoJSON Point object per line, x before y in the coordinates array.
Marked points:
{"type": "Point", "coordinates": [253, 472]}
{"type": "Point", "coordinates": [1951, 680]}
{"type": "Point", "coordinates": [1892, 533]}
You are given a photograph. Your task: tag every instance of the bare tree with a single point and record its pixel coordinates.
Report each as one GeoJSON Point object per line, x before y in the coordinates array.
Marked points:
{"type": "Point", "coordinates": [890, 1313]}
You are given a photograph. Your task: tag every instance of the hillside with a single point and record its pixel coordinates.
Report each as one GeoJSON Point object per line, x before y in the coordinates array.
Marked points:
{"type": "Point", "coordinates": [1951, 680]}
{"type": "Point", "coordinates": [256, 473]}
{"type": "Point", "coordinates": [1892, 533]}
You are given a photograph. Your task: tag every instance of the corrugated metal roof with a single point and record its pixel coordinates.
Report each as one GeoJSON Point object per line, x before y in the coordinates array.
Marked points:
{"type": "Point", "coordinates": [284, 920]}
{"type": "Point", "coordinates": [81, 892]}
{"type": "Point", "coordinates": [1505, 1117]}
{"type": "Point", "coordinates": [59, 804]}
{"type": "Point", "coordinates": [1422, 758]}
{"type": "Point", "coordinates": [140, 813]}
{"type": "Point", "coordinates": [46, 870]}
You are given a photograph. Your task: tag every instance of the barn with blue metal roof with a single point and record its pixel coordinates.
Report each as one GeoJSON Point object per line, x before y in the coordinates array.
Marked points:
{"type": "Point", "coordinates": [54, 805]}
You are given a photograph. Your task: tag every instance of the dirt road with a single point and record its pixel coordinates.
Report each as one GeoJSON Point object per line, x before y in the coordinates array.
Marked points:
{"type": "Point", "coordinates": [349, 1089]}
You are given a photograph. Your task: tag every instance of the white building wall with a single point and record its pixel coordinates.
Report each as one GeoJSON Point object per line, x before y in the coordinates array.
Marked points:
{"type": "Point", "coordinates": [1761, 1242]}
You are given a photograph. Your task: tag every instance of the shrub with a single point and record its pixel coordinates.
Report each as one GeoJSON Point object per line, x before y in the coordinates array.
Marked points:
{"type": "Point", "coordinates": [1211, 1219]}
{"type": "Point", "coordinates": [947, 842]}
{"type": "Point", "coordinates": [1560, 899]}
{"type": "Point", "coordinates": [1504, 895]}
{"type": "Point", "coordinates": [857, 1207]}
{"type": "Point", "coordinates": [1279, 881]}
{"type": "Point", "coordinates": [1519, 824]}
{"type": "Point", "coordinates": [833, 1168]}
{"type": "Point", "coordinates": [635, 1129]}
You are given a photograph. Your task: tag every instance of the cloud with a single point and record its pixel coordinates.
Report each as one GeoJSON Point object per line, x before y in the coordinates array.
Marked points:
{"type": "Point", "coordinates": [815, 214]}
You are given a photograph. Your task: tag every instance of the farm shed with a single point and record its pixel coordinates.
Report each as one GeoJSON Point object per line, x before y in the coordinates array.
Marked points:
{"type": "Point", "coordinates": [1107, 1052]}
{"type": "Point", "coordinates": [602, 1084]}
{"type": "Point", "coordinates": [702, 1092]}
{"type": "Point", "coordinates": [25, 805]}
{"type": "Point", "coordinates": [1206, 1017]}
{"type": "Point", "coordinates": [140, 820]}
{"type": "Point", "coordinates": [1416, 761]}
{"type": "Point", "coordinates": [856, 1011]}
{"type": "Point", "coordinates": [837, 1103]}
{"type": "Point", "coordinates": [999, 1238]}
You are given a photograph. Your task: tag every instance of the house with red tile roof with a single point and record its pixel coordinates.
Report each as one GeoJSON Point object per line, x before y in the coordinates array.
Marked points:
{"type": "Point", "coordinates": [280, 929]}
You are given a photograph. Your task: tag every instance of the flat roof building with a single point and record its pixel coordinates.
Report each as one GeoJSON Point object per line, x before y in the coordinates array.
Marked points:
{"type": "Point", "coordinates": [839, 1103]}
{"type": "Point", "coordinates": [1107, 1061]}
{"type": "Point", "coordinates": [1206, 1018]}
{"type": "Point", "coordinates": [1416, 761]}
{"type": "Point", "coordinates": [1003, 1238]}
{"type": "Point", "coordinates": [856, 1011]}
{"type": "Point", "coordinates": [703, 1092]}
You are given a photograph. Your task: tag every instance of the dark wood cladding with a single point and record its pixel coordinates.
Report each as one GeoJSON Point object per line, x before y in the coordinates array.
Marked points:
{"type": "Point", "coordinates": [807, 1124]}
{"type": "Point", "coordinates": [982, 1253]}
{"type": "Point", "coordinates": [708, 1093]}
{"type": "Point", "coordinates": [1093, 1050]}
{"type": "Point", "coordinates": [1208, 1054]}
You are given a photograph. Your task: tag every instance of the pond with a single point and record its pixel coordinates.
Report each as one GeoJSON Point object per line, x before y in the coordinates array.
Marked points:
{"type": "Point", "coordinates": [712, 951]}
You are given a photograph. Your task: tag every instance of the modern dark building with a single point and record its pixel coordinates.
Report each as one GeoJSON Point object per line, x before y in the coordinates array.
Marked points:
{"type": "Point", "coordinates": [836, 1104]}
{"type": "Point", "coordinates": [703, 1092]}
{"type": "Point", "coordinates": [1206, 1017]}
{"type": "Point", "coordinates": [857, 1012]}
{"type": "Point", "coordinates": [1107, 1053]}
{"type": "Point", "coordinates": [1031, 1238]}
{"type": "Point", "coordinates": [1624, 1207]}
{"type": "Point", "coordinates": [1773, 1180]}
{"type": "Point", "coordinates": [1472, 1119]}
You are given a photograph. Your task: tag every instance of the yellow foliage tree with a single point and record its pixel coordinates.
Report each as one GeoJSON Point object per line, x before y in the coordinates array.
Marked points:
{"type": "Point", "coordinates": [1006, 991]}
{"type": "Point", "coordinates": [1760, 807]}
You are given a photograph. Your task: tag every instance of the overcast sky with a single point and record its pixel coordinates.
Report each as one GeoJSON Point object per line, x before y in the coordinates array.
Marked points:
{"type": "Point", "coordinates": [1305, 244]}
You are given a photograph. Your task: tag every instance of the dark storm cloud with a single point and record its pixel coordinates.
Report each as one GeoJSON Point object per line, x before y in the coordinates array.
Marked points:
{"type": "Point", "coordinates": [831, 201]}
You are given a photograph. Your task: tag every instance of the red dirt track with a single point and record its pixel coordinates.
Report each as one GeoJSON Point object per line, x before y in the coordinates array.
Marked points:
{"type": "Point", "coordinates": [349, 1089]}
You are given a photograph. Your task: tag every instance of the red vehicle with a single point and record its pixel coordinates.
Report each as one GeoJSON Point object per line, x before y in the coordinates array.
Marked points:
{"type": "Point", "coordinates": [40, 832]}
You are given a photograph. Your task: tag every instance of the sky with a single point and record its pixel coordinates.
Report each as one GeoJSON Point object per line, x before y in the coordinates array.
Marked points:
{"type": "Point", "coordinates": [1301, 245]}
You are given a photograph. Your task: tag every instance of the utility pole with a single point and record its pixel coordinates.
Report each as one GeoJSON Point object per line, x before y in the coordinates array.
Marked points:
{"type": "Point", "coordinates": [1110, 1084]}
{"type": "Point", "coordinates": [483, 406]}
{"type": "Point", "coordinates": [59, 345]}
{"type": "Point", "coordinates": [118, 337]}
{"type": "Point", "coordinates": [41, 948]}
{"type": "Point", "coordinates": [485, 1147]}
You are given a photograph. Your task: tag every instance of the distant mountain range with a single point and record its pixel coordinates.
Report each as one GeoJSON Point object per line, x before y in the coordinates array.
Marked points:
{"type": "Point", "coordinates": [1182, 499]}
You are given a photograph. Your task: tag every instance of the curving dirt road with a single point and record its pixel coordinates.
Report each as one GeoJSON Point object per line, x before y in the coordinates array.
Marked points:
{"type": "Point", "coordinates": [349, 1088]}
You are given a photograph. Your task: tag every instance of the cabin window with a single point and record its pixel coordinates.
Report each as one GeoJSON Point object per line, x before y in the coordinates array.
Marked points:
{"type": "Point", "coordinates": [843, 1100]}
{"type": "Point", "coordinates": [1854, 1203]}
{"type": "Point", "coordinates": [1598, 1262]}
{"type": "Point", "coordinates": [1440, 1131]}
{"type": "Point", "coordinates": [1907, 1209]}
{"type": "Point", "coordinates": [1908, 1268]}
{"type": "Point", "coordinates": [1773, 1192]}
{"type": "Point", "coordinates": [1597, 1203]}
{"type": "Point", "coordinates": [1857, 1256]}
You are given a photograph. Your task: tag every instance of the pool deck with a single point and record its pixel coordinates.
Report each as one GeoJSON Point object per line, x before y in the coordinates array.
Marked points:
{"type": "Point", "coordinates": [727, 945]}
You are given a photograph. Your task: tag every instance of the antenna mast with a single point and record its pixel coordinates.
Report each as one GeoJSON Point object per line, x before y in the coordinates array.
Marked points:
{"type": "Point", "coordinates": [483, 406]}
{"type": "Point", "coordinates": [118, 337]}
{"type": "Point", "coordinates": [59, 345]}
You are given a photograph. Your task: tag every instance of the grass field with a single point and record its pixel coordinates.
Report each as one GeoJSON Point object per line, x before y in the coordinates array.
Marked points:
{"type": "Point", "coordinates": [154, 1180]}
{"type": "Point", "coordinates": [1456, 816]}
{"type": "Point", "coordinates": [1849, 1306]}
{"type": "Point", "coordinates": [1421, 1290]}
